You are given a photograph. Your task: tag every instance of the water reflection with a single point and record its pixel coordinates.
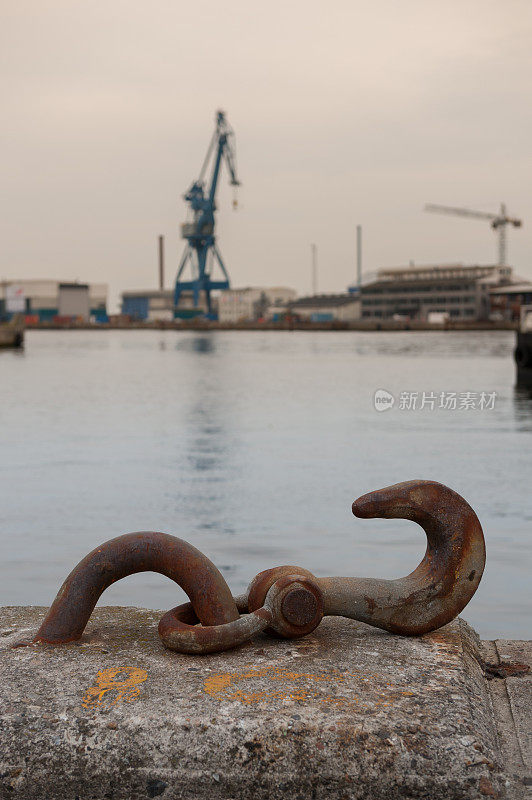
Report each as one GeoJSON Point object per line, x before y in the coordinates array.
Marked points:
{"type": "Point", "coordinates": [205, 343]}
{"type": "Point", "coordinates": [522, 403]}
{"type": "Point", "coordinates": [16, 352]}
{"type": "Point", "coordinates": [208, 456]}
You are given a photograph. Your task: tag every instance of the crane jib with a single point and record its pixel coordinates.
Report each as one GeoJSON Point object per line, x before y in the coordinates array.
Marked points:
{"type": "Point", "coordinates": [498, 223]}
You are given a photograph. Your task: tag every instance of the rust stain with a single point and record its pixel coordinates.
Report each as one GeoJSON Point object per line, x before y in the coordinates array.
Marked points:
{"type": "Point", "coordinates": [114, 686]}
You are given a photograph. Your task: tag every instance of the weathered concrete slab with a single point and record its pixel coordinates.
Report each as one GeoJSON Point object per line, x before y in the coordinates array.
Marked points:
{"type": "Point", "coordinates": [346, 712]}
{"type": "Point", "coordinates": [512, 702]}
{"type": "Point", "coordinates": [519, 693]}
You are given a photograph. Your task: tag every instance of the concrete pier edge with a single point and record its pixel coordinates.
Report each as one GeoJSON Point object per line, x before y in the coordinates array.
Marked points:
{"type": "Point", "coordinates": [345, 712]}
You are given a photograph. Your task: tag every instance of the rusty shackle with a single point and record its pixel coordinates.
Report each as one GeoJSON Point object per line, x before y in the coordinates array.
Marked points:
{"type": "Point", "coordinates": [290, 600]}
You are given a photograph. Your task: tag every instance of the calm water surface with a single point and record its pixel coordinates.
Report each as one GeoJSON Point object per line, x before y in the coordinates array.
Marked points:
{"type": "Point", "coordinates": [252, 446]}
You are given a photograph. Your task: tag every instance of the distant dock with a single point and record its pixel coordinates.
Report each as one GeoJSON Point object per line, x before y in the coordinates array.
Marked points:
{"type": "Point", "coordinates": [299, 325]}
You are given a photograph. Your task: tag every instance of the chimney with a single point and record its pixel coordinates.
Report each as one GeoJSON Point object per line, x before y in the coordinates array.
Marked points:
{"type": "Point", "coordinates": [161, 263]}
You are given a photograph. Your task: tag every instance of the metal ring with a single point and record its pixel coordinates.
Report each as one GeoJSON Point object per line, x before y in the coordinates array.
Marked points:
{"type": "Point", "coordinates": [126, 555]}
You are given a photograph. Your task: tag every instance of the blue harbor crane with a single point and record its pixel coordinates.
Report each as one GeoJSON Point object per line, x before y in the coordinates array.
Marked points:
{"type": "Point", "coordinates": [201, 251]}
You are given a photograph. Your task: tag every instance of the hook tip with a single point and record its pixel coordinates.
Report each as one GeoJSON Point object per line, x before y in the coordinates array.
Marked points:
{"type": "Point", "coordinates": [364, 507]}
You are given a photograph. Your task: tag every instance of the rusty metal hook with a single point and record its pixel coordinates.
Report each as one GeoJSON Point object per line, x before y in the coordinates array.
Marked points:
{"type": "Point", "coordinates": [290, 600]}
{"type": "Point", "coordinates": [442, 584]}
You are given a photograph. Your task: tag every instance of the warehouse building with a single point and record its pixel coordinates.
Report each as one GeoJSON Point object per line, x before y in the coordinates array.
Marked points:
{"type": "Point", "coordinates": [152, 305]}
{"type": "Point", "coordinates": [327, 308]}
{"type": "Point", "coordinates": [49, 300]}
{"type": "Point", "coordinates": [253, 303]}
{"type": "Point", "coordinates": [461, 292]}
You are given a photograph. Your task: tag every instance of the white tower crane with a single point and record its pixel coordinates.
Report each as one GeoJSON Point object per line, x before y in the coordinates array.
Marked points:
{"type": "Point", "coordinates": [498, 222]}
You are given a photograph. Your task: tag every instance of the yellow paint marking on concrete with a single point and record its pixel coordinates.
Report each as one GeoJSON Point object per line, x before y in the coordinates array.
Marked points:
{"type": "Point", "coordinates": [218, 683]}
{"type": "Point", "coordinates": [225, 687]}
{"type": "Point", "coordinates": [114, 686]}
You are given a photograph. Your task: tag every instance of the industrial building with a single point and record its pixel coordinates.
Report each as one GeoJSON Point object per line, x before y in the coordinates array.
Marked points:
{"type": "Point", "coordinates": [244, 305]}
{"type": "Point", "coordinates": [49, 300]}
{"type": "Point", "coordinates": [462, 292]}
{"type": "Point", "coordinates": [507, 301]}
{"type": "Point", "coordinates": [327, 308]}
{"type": "Point", "coordinates": [153, 305]}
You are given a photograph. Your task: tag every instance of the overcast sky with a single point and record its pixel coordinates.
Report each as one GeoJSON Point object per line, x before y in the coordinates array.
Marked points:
{"type": "Point", "coordinates": [344, 112]}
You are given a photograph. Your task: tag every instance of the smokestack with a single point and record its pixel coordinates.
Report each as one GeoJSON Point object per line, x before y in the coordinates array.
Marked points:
{"type": "Point", "coordinates": [314, 250]}
{"type": "Point", "coordinates": [359, 256]}
{"type": "Point", "coordinates": [161, 263]}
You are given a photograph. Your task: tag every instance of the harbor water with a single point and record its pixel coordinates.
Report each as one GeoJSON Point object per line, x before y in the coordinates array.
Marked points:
{"type": "Point", "coordinates": [252, 446]}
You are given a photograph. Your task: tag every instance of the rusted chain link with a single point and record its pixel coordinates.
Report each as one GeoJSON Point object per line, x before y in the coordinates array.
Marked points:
{"type": "Point", "coordinates": [289, 600]}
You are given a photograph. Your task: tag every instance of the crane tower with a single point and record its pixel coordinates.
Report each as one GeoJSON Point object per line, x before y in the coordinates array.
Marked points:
{"type": "Point", "coordinates": [201, 252]}
{"type": "Point", "coordinates": [498, 223]}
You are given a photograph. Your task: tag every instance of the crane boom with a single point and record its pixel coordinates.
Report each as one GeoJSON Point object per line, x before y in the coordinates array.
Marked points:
{"type": "Point", "coordinates": [201, 252]}
{"type": "Point", "coordinates": [498, 222]}
{"type": "Point", "coordinates": [460, 212]}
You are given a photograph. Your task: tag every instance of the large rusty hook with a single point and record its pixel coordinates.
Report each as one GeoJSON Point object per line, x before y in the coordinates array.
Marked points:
{"type": "Point", "coordinates": [290, 600]}
{"type": "Point", "coordinates": [445, 580]}
{"type": "Point", "coordinates": [432, 595]}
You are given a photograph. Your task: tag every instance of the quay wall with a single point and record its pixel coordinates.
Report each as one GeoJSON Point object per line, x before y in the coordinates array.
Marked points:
{"type": "Point", "coordinates": [346, 713]}
{"type": "Point", "coordinates": [198, 324]}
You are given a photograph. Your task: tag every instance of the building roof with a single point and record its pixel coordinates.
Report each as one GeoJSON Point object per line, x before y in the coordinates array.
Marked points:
{"type": "Point", "coordinates": [150, 293]}
{"type": "Point", "coordinates": [242, 289]}
{"type": "Point", "coordinates": [437, 272]}
{"type": "Point", "coordinates": [45, 281]}
{"type": "Point", "coordinates": [324, 300]}
{"type": "Point", "coordinates": [513, 288]}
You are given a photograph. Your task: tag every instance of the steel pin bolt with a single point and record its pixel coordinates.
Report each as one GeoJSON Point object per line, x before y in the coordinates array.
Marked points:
{"type": "Point", "coordinates": [299, 607]}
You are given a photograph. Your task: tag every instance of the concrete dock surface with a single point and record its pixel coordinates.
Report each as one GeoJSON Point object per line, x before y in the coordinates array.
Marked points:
{"type": "Point", "coordinates": [347, 712]}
